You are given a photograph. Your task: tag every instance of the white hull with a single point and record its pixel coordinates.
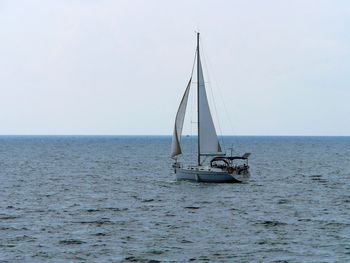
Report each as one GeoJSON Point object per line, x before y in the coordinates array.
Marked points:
{"type": "Point", "coordinates": [211, 175]}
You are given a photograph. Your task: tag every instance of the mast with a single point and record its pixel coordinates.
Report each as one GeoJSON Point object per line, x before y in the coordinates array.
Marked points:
{"type": "Point", "coordinates": [198, 61]}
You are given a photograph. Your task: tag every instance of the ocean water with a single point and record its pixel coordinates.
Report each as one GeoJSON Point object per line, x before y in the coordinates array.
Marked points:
{"type": "Point", "coordinates": [114, 199]}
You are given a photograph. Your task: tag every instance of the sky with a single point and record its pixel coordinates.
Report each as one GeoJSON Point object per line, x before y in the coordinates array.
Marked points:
{"type": "Point", "coordinates": [120, 67]}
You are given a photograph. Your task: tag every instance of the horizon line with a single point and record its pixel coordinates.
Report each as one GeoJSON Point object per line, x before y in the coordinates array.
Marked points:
{"type": "Point", "coordinates": [170, 135]}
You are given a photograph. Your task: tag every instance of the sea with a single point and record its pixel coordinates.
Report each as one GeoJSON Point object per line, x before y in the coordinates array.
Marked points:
{"type": "Point", "coordinates": [114, 199]}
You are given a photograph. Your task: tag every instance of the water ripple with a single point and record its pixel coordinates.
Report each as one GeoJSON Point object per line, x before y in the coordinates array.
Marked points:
{"type": "Point", "coordinates": [114, 199]}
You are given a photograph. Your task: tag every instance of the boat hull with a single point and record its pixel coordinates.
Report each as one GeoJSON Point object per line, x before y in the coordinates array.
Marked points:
{"type": "Point", "coordinates": [208, 176]}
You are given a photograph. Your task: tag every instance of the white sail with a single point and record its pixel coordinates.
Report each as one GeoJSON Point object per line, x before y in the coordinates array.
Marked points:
{"type": "Point", "coordinates": [208, 140]}
{"type": "Point", "coordinates": [179, 121]}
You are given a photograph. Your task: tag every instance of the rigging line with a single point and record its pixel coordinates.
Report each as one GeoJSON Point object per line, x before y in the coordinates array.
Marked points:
{"type": "Point", "coordinates": [206, 64]}
{"type": "Point", "coordinates": [223, 101]}
{"type": "Point", "coordinates": [222, 98]}
{"type": "Point", "coordinates": [191, 120]}
{"type": "Point", "coordinates": [194, 62]}
{"type": "Point", "coordinates": [191, 123]}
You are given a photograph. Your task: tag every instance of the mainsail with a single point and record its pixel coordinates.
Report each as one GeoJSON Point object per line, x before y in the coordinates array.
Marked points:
{"type": "Point", "coordinates": [208, 140]}
{"type": "Point", "coordinates": [179, 122]}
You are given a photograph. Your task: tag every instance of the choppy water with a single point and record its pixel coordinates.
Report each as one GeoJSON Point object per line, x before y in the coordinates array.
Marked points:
{"type": "Point", "coordinates": [113, 199]}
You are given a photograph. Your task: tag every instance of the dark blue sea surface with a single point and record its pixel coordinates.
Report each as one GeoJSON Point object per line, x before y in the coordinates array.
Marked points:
{"type": "Point", "coordinates": [114, 199]}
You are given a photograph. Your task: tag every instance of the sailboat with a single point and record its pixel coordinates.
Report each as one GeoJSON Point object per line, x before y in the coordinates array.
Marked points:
{"type": "Point", "coordinates": [221, 168]}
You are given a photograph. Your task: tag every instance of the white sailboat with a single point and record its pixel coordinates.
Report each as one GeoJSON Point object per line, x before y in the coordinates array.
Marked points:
{"type": "Point", "coordinates": [221, 168]}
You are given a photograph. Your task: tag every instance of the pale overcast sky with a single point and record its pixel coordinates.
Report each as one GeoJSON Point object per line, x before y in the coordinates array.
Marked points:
{"type": "Point", "coordinates": [121, 67]}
